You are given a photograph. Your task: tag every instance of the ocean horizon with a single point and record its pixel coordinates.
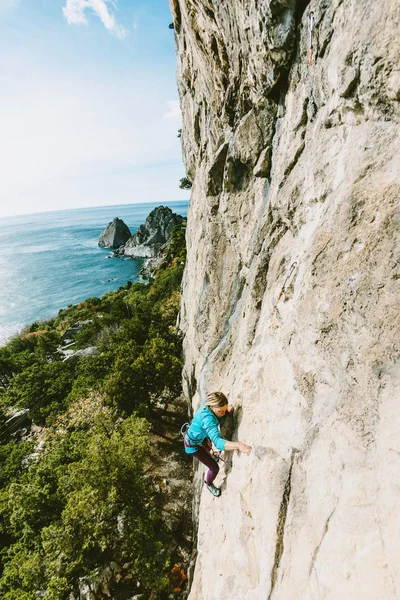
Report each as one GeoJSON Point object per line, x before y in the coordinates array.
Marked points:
{"type": "Point", "coordinates": [49, 260]}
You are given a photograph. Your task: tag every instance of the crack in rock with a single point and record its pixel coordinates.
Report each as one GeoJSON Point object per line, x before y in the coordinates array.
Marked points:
{"type": "Point", "coordinates": [280, 529]}
{"type": "Point", "coordinates": [316, 551]}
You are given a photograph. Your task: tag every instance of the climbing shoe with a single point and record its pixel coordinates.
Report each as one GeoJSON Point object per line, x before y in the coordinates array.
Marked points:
{"type": "Point", "coordinates": [214, 490]}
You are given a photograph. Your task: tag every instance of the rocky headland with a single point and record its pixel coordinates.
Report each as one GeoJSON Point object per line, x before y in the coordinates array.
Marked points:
{"type": "Point", "coordinates": [151, 237]}
{"type": "Point", "coordinates": [149, 241]}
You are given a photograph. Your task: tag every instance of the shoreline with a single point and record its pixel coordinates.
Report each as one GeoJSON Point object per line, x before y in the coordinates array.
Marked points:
{"type": "Point", "coordinates": [17, 329]}
{"type": "Point", "coordinates": [39, 282]}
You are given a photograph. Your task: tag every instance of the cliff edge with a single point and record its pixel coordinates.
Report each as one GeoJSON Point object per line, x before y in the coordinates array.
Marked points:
{"type": "Point", "coordinates": [290, 295]}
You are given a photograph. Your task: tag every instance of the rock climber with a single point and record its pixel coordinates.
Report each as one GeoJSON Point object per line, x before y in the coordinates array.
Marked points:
{"type": "Point", "coordinates": [204, 431]}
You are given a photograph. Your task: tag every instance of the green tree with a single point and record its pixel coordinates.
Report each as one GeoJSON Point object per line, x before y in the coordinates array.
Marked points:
{"type": "Point", "coordinates": [7, 368]}
{"type": "Point", "coordinates": [41, 388]}
{"type": "Point", "coordinates": [12, 459]}
{"type": "Point", "coordinates": [90, 372]}
{"type": "Point", "coordinates": [88, 334]}
{"type": "Point", "coordinates": [161, 368]}
{"type": "Point", "coordinates": [185, 183]}
{"type": "Point", "coordinates": [47, 346]}
{"type": "Point", "coordinates": [123, 386]}
{"type": "Point", "coordinates": [177, 245]}
{"type": "Point", "coordinates": [106, 516]}
{"type": "Point", "coordinates": [22, 573]}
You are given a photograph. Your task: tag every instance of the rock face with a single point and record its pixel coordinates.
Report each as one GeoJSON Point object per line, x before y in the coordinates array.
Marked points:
{"type": "Point", "coordinates": [151, 266]}
{"type": "Point", "coordinates": [115, 234]}
{"type": "Point", "coordinates": [149, 239]}
{"type": "Point", "coordinates": [295, 171]}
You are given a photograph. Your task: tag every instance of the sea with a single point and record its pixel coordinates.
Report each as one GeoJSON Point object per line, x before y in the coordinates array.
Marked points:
{"type": "Point", "coordinates": [50, 260]}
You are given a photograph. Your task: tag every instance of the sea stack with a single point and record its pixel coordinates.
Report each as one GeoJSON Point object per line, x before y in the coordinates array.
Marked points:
{"type": "Point", "coordinates": [115, 234]}
{"type": "Point", "coordinates": [150, 238]}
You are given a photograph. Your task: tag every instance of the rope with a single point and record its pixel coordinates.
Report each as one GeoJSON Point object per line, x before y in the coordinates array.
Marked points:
{"type": "Point", "coordinates": [217, 456]}
{"type": "Point", "coordinates": [291, 270]}
{"type": "Point", "coordinates": [5, 430]}
{"type": "Point", "coordinates": [310, 29]}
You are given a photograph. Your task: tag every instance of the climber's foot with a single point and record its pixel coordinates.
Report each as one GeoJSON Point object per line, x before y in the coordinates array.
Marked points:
{"type": "Point", "coordinates": [214, 490]}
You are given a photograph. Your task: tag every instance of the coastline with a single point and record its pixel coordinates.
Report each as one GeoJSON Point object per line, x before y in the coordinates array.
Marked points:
{"type": "Point", "coordinates": [61, 263]}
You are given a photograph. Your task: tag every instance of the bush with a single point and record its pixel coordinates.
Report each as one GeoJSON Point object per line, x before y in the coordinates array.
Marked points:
{"type": "Point", "coordinates": [185, 184]}
{"type": "Point", "coordinates": [43, 390]}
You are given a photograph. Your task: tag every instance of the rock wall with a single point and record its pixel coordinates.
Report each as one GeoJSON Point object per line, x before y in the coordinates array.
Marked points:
{"type": "Point", "coordinates": [295, 171]}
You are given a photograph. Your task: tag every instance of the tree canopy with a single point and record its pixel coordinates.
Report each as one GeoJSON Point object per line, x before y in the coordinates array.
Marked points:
{"type": "Point", "coordinates": [75, 498]}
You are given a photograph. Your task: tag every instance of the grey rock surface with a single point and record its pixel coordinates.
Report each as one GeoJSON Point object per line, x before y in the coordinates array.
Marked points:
{"type": "Point", "coordinates": [149, 239]}
{"type": "Point", "coordinates": [150, 267]}
{"type": "Point", "coordinates": [19, 418]}
{"type": "Point", "coordinates": [295, 171]}
{"type": "Point", "coordinates": [115, 234]}
{"type": "Point", "coordinates": [76, 354]}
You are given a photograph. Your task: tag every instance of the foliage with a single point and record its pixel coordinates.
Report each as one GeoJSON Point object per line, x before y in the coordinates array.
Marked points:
{"type": "Point", "coordinates": [12, 457]}
{"type": "Point", "coordinates": [87, 334]}
{"type": "Point", "coordinates": [185, 184]}
{"type": "Point", "coordinates": [76, 511]}
{"type": "Point", "coordinates": [90, 373]}
{"type": "Point", "coordinates": [81, 502]}
{"type": "Point", "coordinates": [43, 390]}
{"type": "Point", "coordinates": [47, 346]}
{"type": "Point", "coordinates": [177, 246]}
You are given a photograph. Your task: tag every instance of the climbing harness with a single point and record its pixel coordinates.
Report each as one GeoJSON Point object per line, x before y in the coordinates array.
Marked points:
{"type": "Point", "coordinates": [310, 29]}
{"type": "Point", "coordinates": [216, 455]}
{"type": "Point", "coordinates": [291, 271]}
{"type": "Point", "coordinates": [184, 429]}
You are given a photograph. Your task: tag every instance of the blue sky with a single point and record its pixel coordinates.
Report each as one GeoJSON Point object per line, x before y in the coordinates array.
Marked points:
{"type": "Point", "coordinates": [88, 104]}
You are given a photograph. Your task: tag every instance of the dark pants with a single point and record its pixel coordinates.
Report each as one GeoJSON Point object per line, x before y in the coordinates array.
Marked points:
{"type": "Point", "coordinates": [203, 456]}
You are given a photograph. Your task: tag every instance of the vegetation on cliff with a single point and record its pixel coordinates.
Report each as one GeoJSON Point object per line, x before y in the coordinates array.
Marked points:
{"type": "Point", "coordinates": [78, 503]}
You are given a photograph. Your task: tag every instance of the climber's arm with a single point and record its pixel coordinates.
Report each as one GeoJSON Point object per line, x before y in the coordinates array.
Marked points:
{"type": "Point", "coordinates": [237, 446]}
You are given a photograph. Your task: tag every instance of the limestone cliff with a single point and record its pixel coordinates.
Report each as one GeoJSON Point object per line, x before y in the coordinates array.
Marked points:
{"type": "Point", "coordinates": [295, 171]}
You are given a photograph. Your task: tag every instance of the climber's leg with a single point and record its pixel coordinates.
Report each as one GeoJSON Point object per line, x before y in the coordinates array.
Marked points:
{"type": "Point", "coordinates": [204, 457]}
{"type": "Point", "coordinates": [207, 445]}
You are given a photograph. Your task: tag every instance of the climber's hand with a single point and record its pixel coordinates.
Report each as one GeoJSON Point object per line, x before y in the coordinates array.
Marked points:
{"type": "Point", "coordinates": [244, 448]}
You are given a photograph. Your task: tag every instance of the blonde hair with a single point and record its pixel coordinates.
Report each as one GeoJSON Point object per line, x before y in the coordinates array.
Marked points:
{"type": "Point", "coordinates": [216, 400]}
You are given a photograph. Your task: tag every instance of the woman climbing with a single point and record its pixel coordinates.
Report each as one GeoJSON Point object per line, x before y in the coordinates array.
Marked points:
{"type": "Point", "coordinates": [204, 430]}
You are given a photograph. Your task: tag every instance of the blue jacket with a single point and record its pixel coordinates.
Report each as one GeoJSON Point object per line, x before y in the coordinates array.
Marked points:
{"type": "Point", "coordinates": [205, 424]}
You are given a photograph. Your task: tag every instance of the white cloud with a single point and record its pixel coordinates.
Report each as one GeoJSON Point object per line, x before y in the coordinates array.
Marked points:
{"type": "Point", "coordinates": [6, 5]}
{"type": "Point", "coordinates": [174, 111]}
{"type": "Point", "coordinates": [74, 12]}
